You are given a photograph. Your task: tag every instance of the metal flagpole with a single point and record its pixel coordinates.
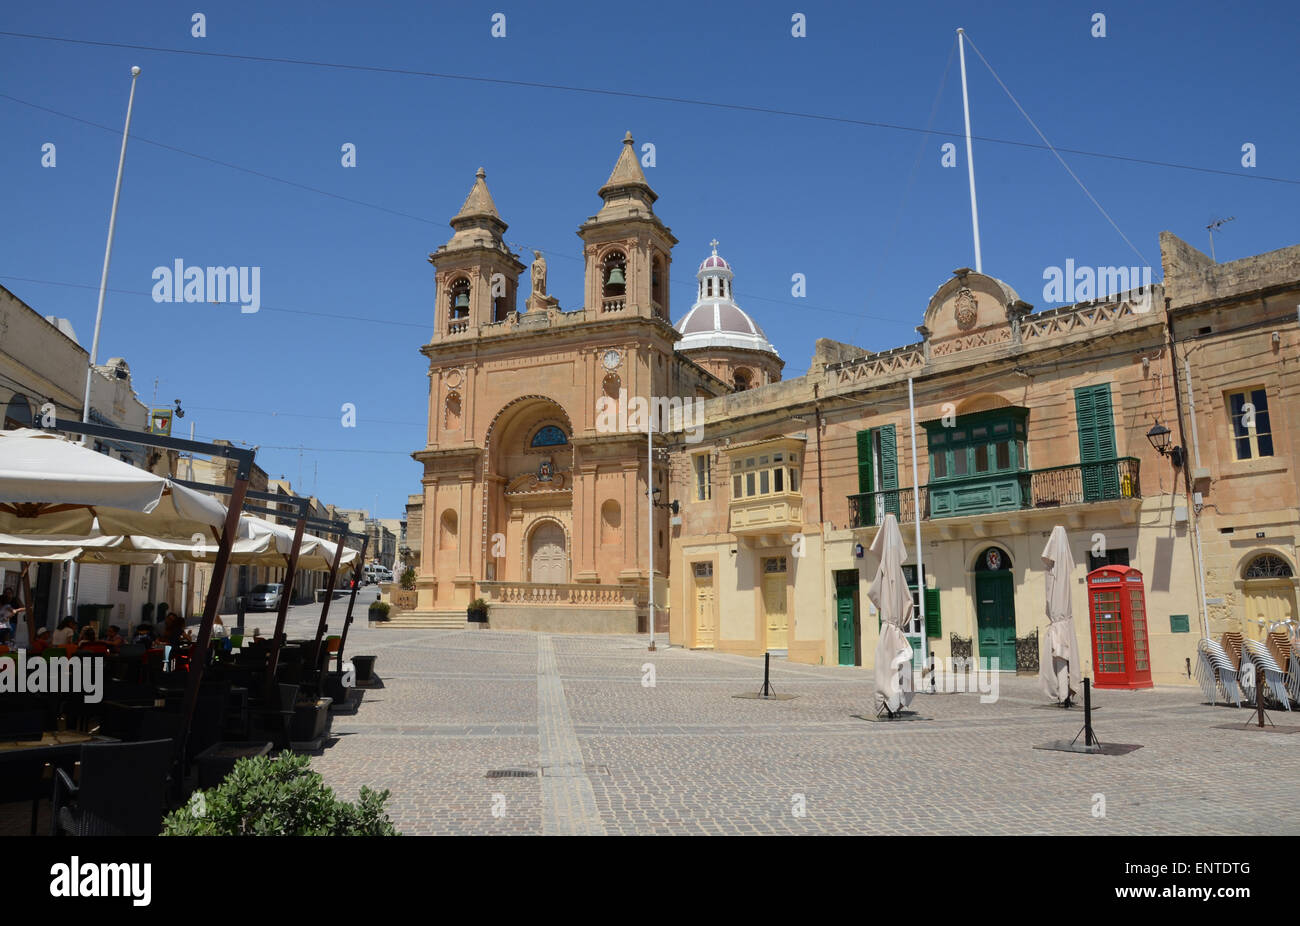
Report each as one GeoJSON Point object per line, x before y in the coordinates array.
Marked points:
{"type": "Point", "coordinates": [74, 572]}
{"type": "Point", "coordinates": [970, 157]}
{"type": "Point", "coordinates": [916, 515]}
{"type": "Point", "coordinates": [650, 507]}
{"type": "Point", "coordinates": [108, 249]}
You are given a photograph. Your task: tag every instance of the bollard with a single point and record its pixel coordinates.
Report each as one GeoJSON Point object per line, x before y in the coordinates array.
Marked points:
{"type": "Point", "coordinates": [1089, 738]}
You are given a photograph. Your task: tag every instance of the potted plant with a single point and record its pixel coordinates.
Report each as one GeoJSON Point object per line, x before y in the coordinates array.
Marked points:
{"type": "Point", "coordinates": [477, 612]}
{"type": "Point", "coordinates": [278, 796]}
{"type": "Point", "coordinates": [310, 718]}
{"type": "Point", "coordinates": [379, 610]}
{"type": "Point", "coordinates": [408, 578]}
{"type": "Point", "coordinates": [364, 666]}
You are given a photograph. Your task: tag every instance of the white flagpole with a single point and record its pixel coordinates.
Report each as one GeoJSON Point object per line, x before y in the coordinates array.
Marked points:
{"type": "Point", "coordinates": [73, 571]}
{"type": "Point", "coordinates": [970, 157]}
{"type": "Point", "coordinates": [916, 516]}
{"type": "Point", "coordinates": [108, 249]}
{"type": "Point", "coordinates": [650, 507]}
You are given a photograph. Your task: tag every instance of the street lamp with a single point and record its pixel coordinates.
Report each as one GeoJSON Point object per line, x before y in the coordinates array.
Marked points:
{"type": "Point", "coordinates": [673, 505]}
{"type": "Point", "coordinates": [1160, 438]}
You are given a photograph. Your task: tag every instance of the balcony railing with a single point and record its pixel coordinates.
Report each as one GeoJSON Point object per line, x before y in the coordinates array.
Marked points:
{"type": "Point", "coordinates": [567, 594]}
{"type": "Point", "coordinates": [1054, 487]}
{"type": "Point", "coordinates": [613, 305]}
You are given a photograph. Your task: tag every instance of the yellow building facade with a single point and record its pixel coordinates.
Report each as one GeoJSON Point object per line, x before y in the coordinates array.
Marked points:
{"type": "Point", "coordinates": [1023, 420]}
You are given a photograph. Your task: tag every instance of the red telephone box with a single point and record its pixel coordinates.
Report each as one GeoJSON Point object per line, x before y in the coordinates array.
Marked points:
{"type": "Point", "coordinates": [1121, 654]}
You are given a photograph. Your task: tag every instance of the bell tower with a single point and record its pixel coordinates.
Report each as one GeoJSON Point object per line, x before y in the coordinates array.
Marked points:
{"type": "Point", "coordinates": [477, 273]}
{"type": "Point", "coordinates": [628, 249]}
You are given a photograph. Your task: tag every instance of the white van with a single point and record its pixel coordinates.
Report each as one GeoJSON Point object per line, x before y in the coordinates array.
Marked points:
{"type": "Point", "coordinates": [377, 572]}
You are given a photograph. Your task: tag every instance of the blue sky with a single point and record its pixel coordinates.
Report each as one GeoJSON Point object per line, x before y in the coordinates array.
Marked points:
{"type": "Point", "coordinates": [867, 214]}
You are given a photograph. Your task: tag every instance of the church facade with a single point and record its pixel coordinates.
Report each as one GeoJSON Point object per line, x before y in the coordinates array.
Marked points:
{"type": "Point", "coordinates": [531, 500]}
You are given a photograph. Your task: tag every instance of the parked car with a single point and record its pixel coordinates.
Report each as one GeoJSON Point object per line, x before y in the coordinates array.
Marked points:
{"type": "Point", "coordinates": [265, 597]}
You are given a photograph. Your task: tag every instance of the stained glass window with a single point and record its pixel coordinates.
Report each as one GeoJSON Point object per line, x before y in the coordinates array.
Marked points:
{"type": "Point", "coordinates": [549, 436]}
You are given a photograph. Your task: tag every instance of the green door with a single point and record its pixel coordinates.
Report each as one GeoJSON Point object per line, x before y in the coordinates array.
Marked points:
{"type": "Point", "coordinates": [844, 616]}
{"type": "Point", "coordinates": [995, 613]}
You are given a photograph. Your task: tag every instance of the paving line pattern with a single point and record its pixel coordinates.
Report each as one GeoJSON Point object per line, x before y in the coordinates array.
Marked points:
{"type": "Point", "coordinates": [568, 799]}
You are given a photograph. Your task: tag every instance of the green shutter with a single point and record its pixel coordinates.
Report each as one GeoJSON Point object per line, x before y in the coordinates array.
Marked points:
{"type": "Point", "coordinates": [1096, 423]}
{"type": "Point", "coordinates": [867, 513]}
{"type": "Point", "coordinates": [889, 468]}
{"type": "Point", "coordinates": [933, 620]}
{"type": "Point", "coordinates": [864, 461]}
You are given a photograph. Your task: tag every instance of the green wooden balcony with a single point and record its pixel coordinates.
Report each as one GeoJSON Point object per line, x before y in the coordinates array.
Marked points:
{"type": "Point", "coordinates": [1054, 487]}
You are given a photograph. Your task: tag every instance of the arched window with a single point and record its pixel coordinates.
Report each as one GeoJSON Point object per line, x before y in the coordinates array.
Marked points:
{"type": "Point", "coordinates": [611, 522]}
{"type": "Point", "coordinates": [458, 299]}
{"type": "Point", "coordinates": [657, 293]}
{"type": "Point", "coordinates": [452, 419]}
{"type": "Point", "coordinates": [1267, 566]}
{"type": "Point", "coordinates": [614, 274]}
{"type": "Point", "coordinates": [742, 379]}
{"type": "Point", "coordinates": [447, 531]}
{"type": "Point", "coordinates": [549, 436]}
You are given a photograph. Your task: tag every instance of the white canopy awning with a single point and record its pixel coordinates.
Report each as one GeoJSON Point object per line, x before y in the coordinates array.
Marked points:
{"type": "Point", "coordinates": [52, 485]}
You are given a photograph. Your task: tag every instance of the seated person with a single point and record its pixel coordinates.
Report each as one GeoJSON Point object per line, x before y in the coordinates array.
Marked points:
{"type": "Point", "coordinates": [114, 636]}
{"type": "Point", "coordinates": [144, 635]}
{"type": "Point", "coordinates": [42, 641]}
{"type": "Point", "coordinates": [66, 633]}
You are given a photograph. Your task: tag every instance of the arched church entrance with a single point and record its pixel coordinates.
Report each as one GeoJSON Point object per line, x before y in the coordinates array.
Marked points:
{"type": "Point", "coordinates": [548, 558]}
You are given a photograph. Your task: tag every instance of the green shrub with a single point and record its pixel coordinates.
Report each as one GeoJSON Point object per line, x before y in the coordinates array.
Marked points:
{"type": "Point", "coordinates": [279, 796]}
{"type": "Point", "coordinates": [408, 578]}
{"type": "Point", "coordinates": [379, 610]}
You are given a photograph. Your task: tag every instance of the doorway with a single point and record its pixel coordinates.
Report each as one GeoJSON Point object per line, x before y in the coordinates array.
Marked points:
{"type": "Point", "coordinates": [547, 557]}
{"type": "Point", "coordinates": [995, 610]}
{"type": "Point", "coordinates": [846, 617]}
{"type": "Point", "coordinates": [775, 606]}
{"type": "Point", "coordinates": [706, 621]}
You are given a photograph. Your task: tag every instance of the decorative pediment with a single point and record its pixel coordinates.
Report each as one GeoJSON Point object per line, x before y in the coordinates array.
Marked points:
{"type": "Point", "coordinates": [971, 310]}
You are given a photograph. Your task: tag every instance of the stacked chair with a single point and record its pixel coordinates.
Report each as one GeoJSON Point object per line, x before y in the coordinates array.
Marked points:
{"type": "Point", "coordinates": [1267, 668]}
{"type": "Point", "coordinates": [1217, 671]}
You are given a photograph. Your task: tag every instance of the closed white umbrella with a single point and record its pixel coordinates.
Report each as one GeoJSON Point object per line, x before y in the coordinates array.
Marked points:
{"type": "Point", "coordinates": [893, 599]}
{"type": "Point", "coordinates": [1058, 670]}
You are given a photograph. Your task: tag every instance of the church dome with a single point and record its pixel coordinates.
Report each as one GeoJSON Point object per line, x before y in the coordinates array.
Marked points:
{"type": "Point", "coordinates": [715, 320]}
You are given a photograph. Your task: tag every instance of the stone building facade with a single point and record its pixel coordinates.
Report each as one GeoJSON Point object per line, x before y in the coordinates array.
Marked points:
{"type": "Point", "coordinates": [1024, 420]}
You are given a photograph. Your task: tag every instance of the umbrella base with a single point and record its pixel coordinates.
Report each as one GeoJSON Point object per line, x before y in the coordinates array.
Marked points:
{"type": "Point", "coordinates": [1100, 749]}
{"type": "Point", "coordinates": [899, 717]}
{"type": "Point", "coordinates": [758, 696]}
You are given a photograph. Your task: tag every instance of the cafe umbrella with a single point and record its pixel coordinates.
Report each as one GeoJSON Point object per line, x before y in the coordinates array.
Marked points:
{"type": "Point", "coordinates": [1059, 669]}
{"type": "Point", "coordinates": [893, 599]}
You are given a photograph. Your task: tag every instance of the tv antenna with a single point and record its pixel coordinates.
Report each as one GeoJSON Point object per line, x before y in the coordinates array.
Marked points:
{"type": "Point", "coordinates": [1217, 223]}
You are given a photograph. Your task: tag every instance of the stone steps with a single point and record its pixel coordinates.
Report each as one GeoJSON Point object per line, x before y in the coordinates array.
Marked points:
{"type": "Point", "coordinates": [426, 620]}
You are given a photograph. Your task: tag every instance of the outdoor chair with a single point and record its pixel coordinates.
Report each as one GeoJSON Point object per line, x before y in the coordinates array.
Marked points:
{"type": "Point", "coordinates": [1267, 666]}
{"type": "Point", "coordinates": [121, 791]}
{"type": "Point", "coordinates": [22, 779]}
{"type": "Point", "coordinates": [1284, 652]}
{"type": "Point", "coordinates": [1214, 671]}
{"type": "Point", "coordinates": [1232, 647]}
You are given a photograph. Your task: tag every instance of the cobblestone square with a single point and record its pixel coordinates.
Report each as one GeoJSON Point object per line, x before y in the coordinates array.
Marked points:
{"type": "Point", "coordinates": [615, 756]}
